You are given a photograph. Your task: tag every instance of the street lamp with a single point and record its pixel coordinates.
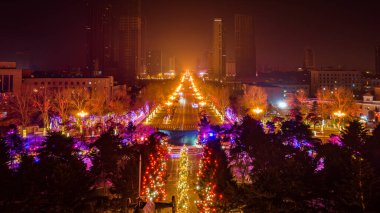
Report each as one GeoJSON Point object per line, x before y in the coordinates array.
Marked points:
{"type": "Point", "coordinates": [82, 114]}
{"type": "Point", "coordinates": [282, 104]}
{"type": "Point", "coordinates": [257, 110]}
{"type": "Point", "coordinates": [340, 115]}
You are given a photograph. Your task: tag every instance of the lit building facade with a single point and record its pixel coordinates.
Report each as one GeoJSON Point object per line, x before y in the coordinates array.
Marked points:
{"type": "Point", "coordinates": [97, 86]}
{"type": "Point", "coordinates": [369, 107]}
{"type": "Point", "coordinates": [333, 78]}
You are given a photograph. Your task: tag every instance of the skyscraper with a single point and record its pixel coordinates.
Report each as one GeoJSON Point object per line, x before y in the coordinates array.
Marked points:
{"type": "Point", "coordinates": [218, 69]}
{"type": "Point", "coordinates": [131, 41]}
{"type": "Point", "coordinates": [172, 64]}
{"type": "Point", "coordinates": [245, 50]}
{"type": "Point", "coordinates": [308, 62]}
{"type": "Point", "coordinates": [377, 60]}
{"type": "Point", "coordinates": [154, 62]}
{"type": "Point", "coordinates": [99, 30]}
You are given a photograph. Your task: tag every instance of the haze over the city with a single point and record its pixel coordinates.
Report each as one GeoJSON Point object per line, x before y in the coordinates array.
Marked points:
{"type": "Point", "coordinates": [340, 32]}
{"type": "Point", "coordinates": [189, 106]}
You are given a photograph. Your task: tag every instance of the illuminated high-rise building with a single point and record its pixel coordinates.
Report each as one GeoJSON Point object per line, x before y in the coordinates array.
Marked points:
{"type": "Point", "coordinates": [377, 60]}
{"type": "Point", "coordinates": [131, 61]}
{"type": "Point", "coordinates": [172, 64]}
{"type": "Point", "coordinates": [245, 50]}
{"type": "Point", "coordinates": [218, 68]}
{"type": "Point", "coordinates": [100, 39]}
{"type": "Point", "coordinates": [154, 62]}
{"type": "Point", "coordinates": [309, 63]}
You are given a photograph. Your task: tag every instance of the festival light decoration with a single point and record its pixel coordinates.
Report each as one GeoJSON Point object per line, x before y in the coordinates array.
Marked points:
{"type": "Point", "coordinates": [183, 202]}
{"type": "Point", "coordinates": [205, 182]}
{"type": "Point", "coordinates": [154, 179]}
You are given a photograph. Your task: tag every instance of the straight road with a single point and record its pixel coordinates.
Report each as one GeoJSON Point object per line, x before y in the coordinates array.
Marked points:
{"type": "Point", "coordinates": [182, 115]}
{"type": "Point", "coordinates": [185, 116]}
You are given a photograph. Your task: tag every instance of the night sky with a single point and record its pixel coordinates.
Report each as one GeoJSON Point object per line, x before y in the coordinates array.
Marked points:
{"type": "Point", "coordinates": [340, 32]}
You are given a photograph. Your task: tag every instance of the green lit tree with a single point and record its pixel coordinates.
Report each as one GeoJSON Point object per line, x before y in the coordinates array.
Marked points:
{"type": "Point", "coordinates": [183, 203]}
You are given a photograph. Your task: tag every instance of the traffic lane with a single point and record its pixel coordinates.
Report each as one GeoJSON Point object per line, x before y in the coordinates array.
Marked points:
{"type": "Point", "coordinates": [185, 114]}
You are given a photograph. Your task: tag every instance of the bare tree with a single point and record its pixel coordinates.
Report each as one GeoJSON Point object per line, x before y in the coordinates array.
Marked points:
{"type": "Point", "coordinates": [343, 100]}
{"type": "Point", "coordinates": [223, 98]}
{"type": "Point", "coordinates": [80, 98]}
{"type": "Point", "coordinates": [255, 97]}
{"type": "Point", "coordinates": [62, 103]}
{"type": "Point", "coordinates": [119, 102]}
{"type": "Point", "coordinates": [154, 93]}
{"type": "Point", "coordinates": [217, 94]}
{"type": "Point", "coordinates": [43, 104]}
{"type": "Point", "coordinates": [324, 103]}
{"type": "Point", "coordinates": [339, 100]}
{"type": "Point", "coordinates": [98, 105]}
{"type": "Point", "coordinates": [302, 98]}
{"type": "Point", "coordinates": [22, 106]}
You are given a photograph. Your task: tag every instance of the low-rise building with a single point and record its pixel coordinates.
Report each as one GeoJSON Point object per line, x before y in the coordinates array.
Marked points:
{"type": "Point", "coordinates": [97, 86]}
{"type": "Point", "coordinates": [332, 78]}
{"type": "Point", "coordinates": [370, 108]}
{"type": "Point", "coordinates": [10, 78]}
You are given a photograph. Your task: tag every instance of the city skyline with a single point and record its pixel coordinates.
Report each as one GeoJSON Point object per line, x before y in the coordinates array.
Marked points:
{"type": "Point", "coordinates": [340, 32]}
{"type": "Point", "coordinates": [189, 106]}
